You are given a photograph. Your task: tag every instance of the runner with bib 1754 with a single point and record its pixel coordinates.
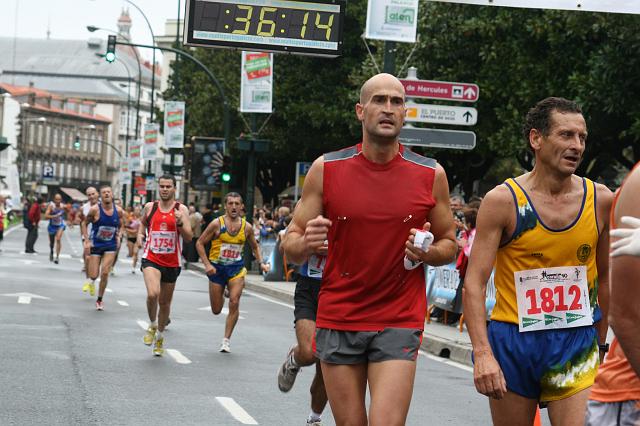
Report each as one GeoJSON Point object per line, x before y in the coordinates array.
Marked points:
{"type": "Point", "coordinates": [165, 221]}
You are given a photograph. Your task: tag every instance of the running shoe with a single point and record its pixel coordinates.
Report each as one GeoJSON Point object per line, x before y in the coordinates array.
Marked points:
{"type": "Point", "coordinates": [225, 347]}
{"type": "Point", "coordinates": [86, 287]}
{"type": "Point", "coordinates": [113, 271]}
{"type": "Point", "coordinates": [149, 335]}
{"type": "Point", "coordinates": [51, 257]}
{"type": "Point", "coordinates": [157, 348]}
{"type": "Point", "coordinates": [287, 373]}
{"type": "Point", "coordinates": [99, 305]}
{"type": "Point", "coordinates": [314, 423]}
{"type": "Point", "coordinates": [92, 289]}
{"type": "Point", "coordinates": [56, 261]}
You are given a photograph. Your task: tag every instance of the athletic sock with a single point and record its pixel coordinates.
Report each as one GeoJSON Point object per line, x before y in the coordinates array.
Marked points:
{"type": "Point", "coordinates": [159, 335]}
{"type": "Point", "coordinates": [292, 361]}
{"type": "Point", "coordinates": [314, 417]}
{"type": "Point", "coordinates": [154, 324]}
{"type": "Point", "coordinates": [99, 298]}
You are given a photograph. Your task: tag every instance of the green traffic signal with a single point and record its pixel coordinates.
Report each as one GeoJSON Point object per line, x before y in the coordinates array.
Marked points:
{"type": "Point", "coordinates": [225, 177]}
{"type": "Point", "coordinates": [110, 56]}
{"type": "Point", "coordinates": [76, 143]}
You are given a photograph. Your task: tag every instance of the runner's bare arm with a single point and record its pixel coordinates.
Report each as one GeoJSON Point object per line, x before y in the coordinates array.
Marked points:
{"type": "Point", "coordinates": [251, 238]}
{"type": "Point", "coordinates": [121, 230]}
{"type": "Point", "coordinates": [89, 218]}
{"type": "Point", "coordinates": [211, 232]}
{"type": "Point", "coordinates": [47, 213]}
{"type": "Point", "coordinates": [183, 217]}
{"type": "Point", "coordinates": [625, 278]}
{"type": "Point", "coordinates": [440, 224]}
{"type": "Point", "coordinates": [493, 219]}
{"type": "Point", "coordinates": [308, 230]}
{"type": "Point", "coordinates": [604, 198]}
{"type": "Point", "coordinates": [143, 223]}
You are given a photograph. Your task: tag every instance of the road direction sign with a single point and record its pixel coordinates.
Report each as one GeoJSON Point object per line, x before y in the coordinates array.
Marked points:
{"type": "Point", "coordinates": [430, 89]}
{"type": "Point", "coordinates": [438, 138]}
{"type": "Point", "coordinates": [441, 114]}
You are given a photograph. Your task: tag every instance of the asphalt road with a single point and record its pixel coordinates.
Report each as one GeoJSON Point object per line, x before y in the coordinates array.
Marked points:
{"type": "Point", "coordinates": [65, 363]}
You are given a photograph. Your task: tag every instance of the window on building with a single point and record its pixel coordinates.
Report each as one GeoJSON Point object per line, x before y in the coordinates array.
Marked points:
{"type": "Point", "coordinates": [60, 170]}
{"type": "Point", "coordinates": [70, 171]}
{"type": "Point", "coordinates": [29, 167]}
{"type": "Point", "coordinates": [38, 169]}
{"type": "Point", "coordinates": [54, 138]}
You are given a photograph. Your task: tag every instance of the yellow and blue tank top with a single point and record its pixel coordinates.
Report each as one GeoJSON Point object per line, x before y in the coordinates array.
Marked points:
{"type": "Point", "coordinates": [534, 245]}
{"type": "Point", "coordinates": [227, 248]}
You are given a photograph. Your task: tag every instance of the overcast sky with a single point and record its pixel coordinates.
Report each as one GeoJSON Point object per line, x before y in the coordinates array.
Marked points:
{"type": "Point", "coordinates": [68, 19]}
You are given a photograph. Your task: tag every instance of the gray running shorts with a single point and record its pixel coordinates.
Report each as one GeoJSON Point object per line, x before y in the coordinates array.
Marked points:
{"type": "Point", "coordinates": [625, 413]}
{"type": "Point", "coordinates": [356, 347]}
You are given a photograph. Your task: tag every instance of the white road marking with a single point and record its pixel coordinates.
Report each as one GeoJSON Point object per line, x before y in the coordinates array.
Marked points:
{"type": "Point", "coordinates": [446, 361]}
{"type": "Point", "coordinates": [108, 290]}
{"type": "Point", "coordinates": [122, 303]}
{"type": "Point", "coordinates": [268, 299]}
{"type": "Point", "coordinates": [236, 410]}
{"type": "Point", "coordinates": [143, 324]}
{"type": "Point", "coordinates": [178, 357]}
{"type": "Point", "coordinates": [75, 251]}
{"type": "Point", "coordinates": [24, 299]}
{"type": "Point", "coordinates": [225, 311]}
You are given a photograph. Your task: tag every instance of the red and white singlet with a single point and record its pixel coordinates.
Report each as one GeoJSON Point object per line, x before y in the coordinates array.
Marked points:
{"type": "Point", "coordinates": [163, 239]}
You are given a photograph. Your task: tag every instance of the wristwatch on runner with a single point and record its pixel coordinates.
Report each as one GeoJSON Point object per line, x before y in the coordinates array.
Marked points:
{"type": "Point", "coordinates": [604, 347]}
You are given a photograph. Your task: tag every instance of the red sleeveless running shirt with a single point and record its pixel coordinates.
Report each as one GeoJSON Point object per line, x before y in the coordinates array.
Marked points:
{"type": "Point", "coordinates": [372, 207]}
{"type": "Point", "coordinates": [163, 239]}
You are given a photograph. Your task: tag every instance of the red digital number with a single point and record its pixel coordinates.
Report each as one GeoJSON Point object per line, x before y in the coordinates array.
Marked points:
{"type": "Point", "coordinates": [534, 309]}
{"type": "Point", "coordinates": [575, 290]}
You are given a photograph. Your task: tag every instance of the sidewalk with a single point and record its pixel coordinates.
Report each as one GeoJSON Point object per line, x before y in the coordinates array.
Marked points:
{"type": "Point", "coordinates": [439, 339]}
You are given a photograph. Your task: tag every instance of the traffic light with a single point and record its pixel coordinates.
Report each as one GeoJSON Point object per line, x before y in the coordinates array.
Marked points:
{"type": "Point", "coordinates": [76, 143]}
{"type": "Point", "coordinates": [225, 170]}
{"type": "Point", "coordinates": [110, 56]}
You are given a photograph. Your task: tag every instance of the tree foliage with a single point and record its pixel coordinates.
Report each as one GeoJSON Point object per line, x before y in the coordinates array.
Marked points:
{"type": "Point", "coordinates": [516, 56]}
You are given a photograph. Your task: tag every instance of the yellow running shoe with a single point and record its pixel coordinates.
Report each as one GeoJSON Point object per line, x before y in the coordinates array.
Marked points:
{"type": "Point", "coordinates": [85, 287]}
{"type": "Point", "coordinates": [157, 348]}
{"type": "Point", "coordinates": [92, 289]}
{"type": "Point", "coordinates": [149, 336]}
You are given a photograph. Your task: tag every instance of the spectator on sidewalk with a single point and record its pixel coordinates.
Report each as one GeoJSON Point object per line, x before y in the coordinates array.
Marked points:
{"type": "Point", "coordinates": [33, 216]}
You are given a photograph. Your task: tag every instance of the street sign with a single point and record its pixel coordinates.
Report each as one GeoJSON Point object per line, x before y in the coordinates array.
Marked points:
{"type": "Point", "coordinates": [441, 114]}
{"type": "Point", "coordinates": [393, 20]}
{"type": "Point", "coordinates": [438, 138]}
{"type": "Point", "coordinates": [430, 89]}
{"type": "Point", "coordinates": [48, 171]}
{"type": "Point", "coordinates": [304, 27]}
{"type": "Point", "coordinates": [302, 168]}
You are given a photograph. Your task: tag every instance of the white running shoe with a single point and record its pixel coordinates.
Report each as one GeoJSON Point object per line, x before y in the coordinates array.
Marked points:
{"type": "Point", "coordinates": [224, 347]}
{"type": "Point", "coordinates": [287, 373]}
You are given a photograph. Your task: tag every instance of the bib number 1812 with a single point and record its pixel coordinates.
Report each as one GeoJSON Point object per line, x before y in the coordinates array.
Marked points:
{"type": "Point", "coordinates": [544, 300]}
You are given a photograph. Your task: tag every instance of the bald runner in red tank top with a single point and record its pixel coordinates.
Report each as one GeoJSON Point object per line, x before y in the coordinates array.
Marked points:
{"type": "Point", "coordinates": [365, 287]}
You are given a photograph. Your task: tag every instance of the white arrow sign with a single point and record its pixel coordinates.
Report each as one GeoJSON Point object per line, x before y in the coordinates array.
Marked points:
{"type": "Point", "coordinates": [441, 114]}
{"type": "Point", "coordinates": [25, 298]}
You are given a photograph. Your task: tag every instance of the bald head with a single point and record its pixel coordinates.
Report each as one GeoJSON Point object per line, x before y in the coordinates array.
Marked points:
{"type": "Point", "coordinates": [377, 82]}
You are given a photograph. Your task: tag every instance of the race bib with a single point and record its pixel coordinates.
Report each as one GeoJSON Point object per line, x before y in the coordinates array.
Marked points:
{"type": "Point", "coordinates": [163, 242]}
{"type": "Point", "coordinates": [105, 233]}
{"type": "Point", "coordinates": [552, 298]}
{"type": "Point", "coordinates": [230, 252]}
{"type": "Point", "coordinates": [316, 266]}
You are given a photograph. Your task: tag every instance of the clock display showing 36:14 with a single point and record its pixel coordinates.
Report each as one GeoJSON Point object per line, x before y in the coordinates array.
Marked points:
{"type": "Point", "coordinates": [293, 26]}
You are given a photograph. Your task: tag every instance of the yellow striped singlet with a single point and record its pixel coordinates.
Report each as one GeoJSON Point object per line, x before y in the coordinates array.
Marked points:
{"type": "Point", "coordinates": [533, 245]}
{"type": "Point", "coordinates": [227, 249]}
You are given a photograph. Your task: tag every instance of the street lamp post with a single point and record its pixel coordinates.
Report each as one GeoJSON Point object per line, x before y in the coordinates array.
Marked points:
{"type": "Point", "coordinates": [153, 65]}
{"type": "Point", "coordinates": [23, 146]}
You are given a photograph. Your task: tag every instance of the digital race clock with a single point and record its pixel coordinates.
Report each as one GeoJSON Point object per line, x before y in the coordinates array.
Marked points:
{"type": "Point", "coordinates": [304, 27]}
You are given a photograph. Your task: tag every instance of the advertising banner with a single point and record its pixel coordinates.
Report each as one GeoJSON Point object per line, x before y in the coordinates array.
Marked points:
{"type": "Point", "coordinates": [612, 6]}
{"type": "Point", "coordinates": [151, 132]}
{"type": "Point", "coordinates": [140, 185]}
{"type": "Point", "coordinates": [392, 20]}
{"type": "Point", "coordinates": [174, 124]}
{"type": "Point", "coordinates": [206, 162]}
{"type": "Point", "coordinates": [125, 173]}
{"type": "Point", "coordinates": [256, 89]}
{"type": "Point", "coordinates": [135, 159]}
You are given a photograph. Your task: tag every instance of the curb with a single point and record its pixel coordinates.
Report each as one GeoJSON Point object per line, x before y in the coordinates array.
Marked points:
{"type": "Point", "coordinates": [432, 344]}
